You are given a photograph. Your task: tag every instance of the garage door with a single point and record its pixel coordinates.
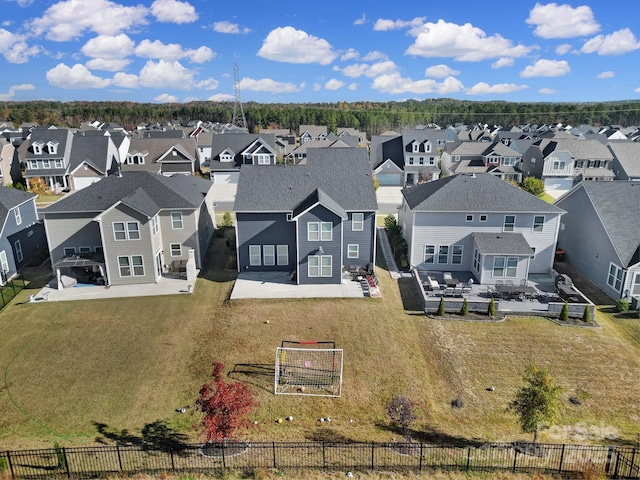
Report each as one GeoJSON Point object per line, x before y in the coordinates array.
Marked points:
{"type": "Point", "coordinates": [82, 182]}
{"type": "Point", "coordinates": [226, 177]}
{"type": "Point", "coordinates": [556, 187]}
{"type": "Point", "coordinates": [389, 179]}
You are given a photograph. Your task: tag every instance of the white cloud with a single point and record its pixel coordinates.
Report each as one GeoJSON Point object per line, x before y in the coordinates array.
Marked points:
{"type": "Point", "coordinates": [23, 3]}
{"type": "Point", "coordinates": [374, 56]}
{"type": "Point", "coordinates": [362, 20]}
{"type": "Point", "coordinates": [166, 74]}
{"type": "Point", "coordinates": [607, 74]}
{"type": "Point", "coordinates": [286, 44]}
{"type": "Point", "coordinates": [166, 98]}
{"type": "Point", "coordinates": [383, 25]}
{"type": "Point", "coordinates": [172, 52]}
{"type": "Point", "coordinates": [548, 91]}
{"type": "Point", "coordinates": [562, 21]}
{"type": "Point", "coordinates": [221, 97]}
{"type": "Point", "coordinates": [359, 69]}
{"type": "Point", "coordinates": [208, 84]}
{"type": "Point", "coordinates": [126, 80]}
{"type": "Point", "coordinates": [503, 62]}
{"type": "Point", "coordinates": [563, 49]}
{"type": "Point", "coordinates": [228, 27]}
{"type": "Point", "coordinates": [268, 85]}
{"type": "Point", "coordinates": [440, 71]}
{"type": "Point", "coordinates": [617, 43]}
{"type": "Point", "coordinates": [464, 43]}
{"type": "Point", "coordinates": [350, 54]}
{"type": "Point", "coordinates": [108, 65]}
{"type": "Point", "coordinates": [317, 87]}
{"type": "Point", "coordinates": [395, 84]}
{"type": "Point", "coordinates": [483, 88]}
{"type": "Point", "coordinates": [173, 11]}
{"type": "Point", "coordinates": [108, 52]}
{"type": "Point", "coordinates": [637, 90]}
{"type": "Point", "coordinates": [353, 86]}
{"type": "Point", "coordinates": [4, 97]}
{"type": "Point", "coordinates": [15, 49]}
{"type": "Point", "coordinates": [546, 68]}
{"type": "Point", "coordinates": [334, 84]}
{"type": "Point", "coordinates": [69, 19]}
{"type": "Point", "coordinates": [76, 77]}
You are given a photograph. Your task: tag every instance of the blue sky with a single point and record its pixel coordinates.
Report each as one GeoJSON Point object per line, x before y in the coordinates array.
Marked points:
{"type": "Point", "coordinates": [329, 51]}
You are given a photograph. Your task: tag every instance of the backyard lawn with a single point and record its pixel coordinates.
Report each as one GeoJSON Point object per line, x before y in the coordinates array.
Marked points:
{"type": "Point", "coordinates": [81, 373]}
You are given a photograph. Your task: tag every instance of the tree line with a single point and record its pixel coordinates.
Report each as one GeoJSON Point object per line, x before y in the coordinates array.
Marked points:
{"type": "Point", "coordinates": [370, 117]}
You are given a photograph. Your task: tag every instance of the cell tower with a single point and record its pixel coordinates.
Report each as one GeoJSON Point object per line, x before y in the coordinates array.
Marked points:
{"type": "Point", "coordinates": [238, 113]}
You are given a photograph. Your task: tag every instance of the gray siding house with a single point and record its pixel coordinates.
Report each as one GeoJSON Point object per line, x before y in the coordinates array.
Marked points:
{"type": "Point", "coordinates": [230, 152]}
{"type": "Point", "coordinates": [600, 234]}
{"type": "Point", "coordinates": [314, 221]}
{"type": "Point", "coordinates": [21, 235]}
{"type": "Point", "coordinates": [479, 224]}
{"type": "Point", "coordinates": [131, 228]}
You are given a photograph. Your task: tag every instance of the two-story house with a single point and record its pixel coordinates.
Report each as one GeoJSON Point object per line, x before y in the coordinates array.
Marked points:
{"type": "Point", "coordinates": [230, 152]}
{"type": "Point", "coordinates": [421, 154]}
{"type": "Point", "coordinates": [47, 156]}
{"type": "Point", "coordinates": [495, 158]}
{"type": "Point", "coordinates": [313, 221]}
{"type": "Point", "coordinates": [164, 155]}
{"type": "Point", "coordinates": [563, 162]}
{"type": "Point", "coordinates": [93, 156]}
{"type": "Point", "coordinates": [131, 228]}
{"type": "Point", "coordinates": [626, 160]}
{"type": "Point", "coordinates": [311, 132]}
{"type": "Point", "coordinates": [479, 224]}
{"type": "Point", "coordinates": [21, 233]}
{"type": "Point", "coordinates": [387, 159]}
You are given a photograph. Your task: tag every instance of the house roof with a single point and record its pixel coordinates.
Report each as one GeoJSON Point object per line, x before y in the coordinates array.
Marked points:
{"type": "Point", "coordinates": [90, 148]}
{"type": "Point", "coordinates": [628, 155]}
{"type": "Point", "coordinates": [580, 149]}
{"type": "Point", "coordinates": [11, 198]}
{"type": "Point", "coordinates": [238, 142]}
{"type": "Point", "coordinates": [144, 191]}
{"type": "Point", "coordinates": [482, 192]}
{"type": "Point", "coordinates": [617, 204]}
{"type": "Point", "coordinates": [502, 243]}
{"type": "Point", "coordinates": [343, 176]}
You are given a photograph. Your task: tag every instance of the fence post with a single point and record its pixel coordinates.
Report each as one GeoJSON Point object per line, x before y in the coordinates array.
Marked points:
{"type": "Point", "coordinates": [609, 461]}
{"type": "Point", "coordinates": [421, 445]}
{"type": "Point", "coordinates": [373, 456]}
{"type": "Point", "coordinates": [66, 461]}
{"type": "Point", "coordinates": [119, 457]}
{"type": "Point", "coordinates": [324, 457]}
{"type": "Point", "coordinates": [468, 457]}
{"type": "Point", "coordinates": [13, 475]}
{"type": "Point", "coordinates": [224, 458]}
{"type": "Point", "coordinates": [273, 446]}
{"type": "Point", "coordinates": [631, 469]}
{"type": "Point", "coordinates": [173, 467]}
{"type": "Point", "coordinates": [561, 459]}
{"type": "Point", "coordinates": [515, 459]}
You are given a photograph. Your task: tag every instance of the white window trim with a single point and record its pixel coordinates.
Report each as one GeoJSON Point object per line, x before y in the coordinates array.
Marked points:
{"type": "Point", "coordinates": [268, 255]}
{"type": "Point", "coordinates": [357, 250]}
{"type": "Point", "coordinates": [282, 254]}
{"type": "Point", "coordinates": [46, 163]}
{"type": "Point", "coordinates": [18, 215]}
{"type": "Point", "coordinates": [132, 267]}
{"type": "Point", "coordinates": [316, 261]}
{"type": "Point", "coordinates": [493, 268]}
{"type": "Point", "coordinates": [468, 217]}
{"type": "Point", "coordinates": [507, 268]}
{"type": "Point", "coordinates": [173, 222]}
{"type": "Point", "coordinates": [84, 249]}
{"type": "Point", "coordinates": [310, 233]}
{"type": "Point", "coordinates": [512, 225]}
{"type": "Point", "coordinates": [618, 270]}
{"type": "Point", "coordinates": [123, 231]}
{"type": "Point", "coordinates": [454, 255]}
{"type": "Point", "coordinates": [438, 254]}
{"type": "Point", "coordinates": [64, 250]}
{"type": "Point", "coordinates": [33, 164]}
{"type": "Point", "coordinates": [58, 163]}
{"type": "Point", "coordinates": [254, 256]}
{"type": "Point", "coordinates": [137, 230]}
{"type": "Point", "coordinates": [433, 255]}
{"type": "Point", "coordinates": [357, 225]}
{"type": "Point", "coordinates": [485, 217]}
{"type": "Point", "coordinates": [19, 254]}
{"type": "Point", "coordinates": [155, 225]}
{"type": "Point", "coordinates": [4, 263]}
{"type": "Point", "coordinates": [533, 227]}
{"type": "Point", "coordinates": [179, 249]}
{"type": "Point", "coordinates": [323, 266]}
{"type": "Point", "coordinates": [322, 231]}
{"type": "Point", "coordinates": [476, 260]}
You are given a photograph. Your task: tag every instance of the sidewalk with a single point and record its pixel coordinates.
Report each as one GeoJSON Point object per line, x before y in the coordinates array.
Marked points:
{"type": "Point", "coordinates": [387, 253]}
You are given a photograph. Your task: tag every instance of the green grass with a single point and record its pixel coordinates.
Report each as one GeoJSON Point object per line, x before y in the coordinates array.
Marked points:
{"type": "Point", "coordinates": [81, 372]}
{"type": "Point", "coordinates": [546, 197]}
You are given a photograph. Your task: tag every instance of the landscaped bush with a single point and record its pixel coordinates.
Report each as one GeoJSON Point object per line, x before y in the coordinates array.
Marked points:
{"type": "Point", "coordinates": [465, 308]}
{"type": "Point", "coordinates": [398, 244]}
{"type": "Point", "coordinates": [440, 311]}
{"type": "Point", "coordinates": [491, 309]}
{"type": "Point", "coordinates": [622, 305]}
{"type": "Point", "coordinates": [586, 314]}
{"type": "Point", "coordinates": [564, 313]}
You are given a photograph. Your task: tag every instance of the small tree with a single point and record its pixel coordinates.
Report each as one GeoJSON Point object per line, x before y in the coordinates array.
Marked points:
{"type": "Point", "coordinates": [38, 186]}
{"type": "Point", "coordinates": [533, 185]}
{"type": "Point", "coordinates": [227, 220]}
{"type": "Point", "coordinates": [376, 183]}
{"type": "Point", "coordinates": [440, 311]}
{"type": "Point", "coordinates": [401, 410]}
{"type": "Point", "coordinates": [586, 314]}
{"type": "Point", "coordinates": [491, 309]}
{"type": "Point", "coordinates": [538, 402]}
{"type": "Point", "coordinates": [226, 406]}
{"type": "Point", "coordinates": [465, 308]}
{"type": "Point", "coordinates": [564, 313]}
{"type": "Point", "coordinates": [622, 305]}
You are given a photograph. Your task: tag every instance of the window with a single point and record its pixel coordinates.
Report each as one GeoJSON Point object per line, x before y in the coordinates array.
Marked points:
{"type": "Point", "coordinates": [176, 220]}
{"type": "Point", "coordinates": [19, 255]}
{"type": "Point", "coordinates": [125, 266]}
{"type": "Point", "coordinates": [37, 148]}
{"type": "Point", "coordinates": [313, 268]}
{"type": "Point", "coordinates": [615, 277]}
{"type": "Point", "coordinates": [313, 231]}
{"type": "Point", "coordinates": [429, 253]}
{"type": "Point", "coordinates": [176, 249]}
{"type": "Point", "coordinates": [353, 251]}
{"type": "Point", "coordinates": [46, 164]}
{"type": "Point", "coordinates": [155, 225]}
{"type": "Point", "coordinates": [3, 261]}
{"type": "Point", "coordinates": [52, 147]}
{"type": "Point", "coordinates": [283, 254]}
{"type": "Point", "coordinates": [98, 249]}
{"type": "Point", "coordinates": [138, 266]}
{"type": "Point", "coordinates": [133, 230]}
{"type": "Point", "coordinates": [16, 213]}
{"type": "Point", "coordinates": [498, 266]}
{"type": "Point", "coordinates": [558, 165]}
{"type": "Point", "coordinates": [509, 161]}
{"type": "Point", "coordinates": [325, 266]}
{"type": "Point", "coordinates": [255, 257]}
{"type": "Point", "coordinates": [263, 159]}
{"type": "Point", "coordinates": [119, 232]}
{"type": "Point", "coordinates": [357, 222]}
{"type": "Point", "coordinates": [415, 147]}
{"type": "Point", "coordinates": [269, 254]}
{"type": "Point", "coordinates": [84, 250]}
{"type": "Point", "coordinates": [326, 232]}
{"type": "Point", "coordinates": [476, 260]}
{"type": "Point", "coordinates": [443, 254]}
{"type": "Point", "coordinates": [635, 287]}
{"type": "Point", "coordinates": [68, 251]}
{"type": "Point", "coordinates": [512, 267]}
{"type": "Point", "coordinates": [469, 218]}
{"type": "Point", "coordinates": [57, 163]}
{"type": "Point", "coordinates": [483, 218]}
{"type": "Point", "coordinates": [456, 254]}
{"type": "Point", "coordinates": [509, 223]}
{"type": "Point", "coordinates": [538, 223]}
{"type": "Point", "coordinates": [410, 160]}
{"type": "Point", "coordinates": [33, 164]}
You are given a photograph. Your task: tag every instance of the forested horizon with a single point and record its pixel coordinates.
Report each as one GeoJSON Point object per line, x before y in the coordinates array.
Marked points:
{"type": "Point", "coordinates": [370, 117]}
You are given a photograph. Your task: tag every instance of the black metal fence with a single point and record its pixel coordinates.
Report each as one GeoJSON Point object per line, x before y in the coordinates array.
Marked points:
{"type": "Point", "coordinates": [10, 289]}
{"type": "Point", "coordinates": [85, 462]}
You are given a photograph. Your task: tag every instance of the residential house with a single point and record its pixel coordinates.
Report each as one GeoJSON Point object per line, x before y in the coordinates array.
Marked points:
{"type": "Point", "coordinates": [355, 133]}
{"type": "Point", "coordinates": [131, 228]}
{"type": "Point", "coordinates": [22, 234]}
{"type": "Point", "coordinates": [47, 156]}
{"type": "Point", "coordinates": [600, 234]}
{"type": "Point", "coordinates": [299, 154]}
{"type": "Point", "coordinates": [164, 155]}
{"type": "Point", "coordinates": [626, 160]}
{"type": "Point", "coordinates": [7, 151]}
{"type": "Point", "coordinates": [421, 151]}
{"type": "Point", "coordinates": [93, 157]}
{"type": "Point", "coordinates": [313, 221]}
{"type": "Point", "coordinates": [311, 132]}
{"type": "Point", "coordinates": [563, 162]}
{"type": "Point", "coordinates": [387, 159]}
{"type": "Point", "coordinates": [229, 152]}
{"type": "Point", "coordinates": [479, 224]}
{"type": "Point", "coordinates": [483, 157]}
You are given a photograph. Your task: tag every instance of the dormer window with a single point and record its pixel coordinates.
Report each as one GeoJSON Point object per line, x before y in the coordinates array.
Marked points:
{"type": "Point", "coordinates": [52, 147]}
{"type": "Point", "coordinates": [37, 148]}
{"type": "Point", "coordinates": [427, 146]}
{"type": "Point", "coordinates": [415, 147]}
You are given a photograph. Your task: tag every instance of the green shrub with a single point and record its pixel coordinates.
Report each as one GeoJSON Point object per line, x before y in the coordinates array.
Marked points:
{"type": "Point", "coordinates": [227, 220]}
{"type": "Point", "coordinates": [4, 464]}
{"type": "Point", "coordinates": [564, 313]}
{"type": "Point", "coordinates": [491, 309]}
{"type": "Point", "coordinates": [622, 305]}
{"type": "Point", "coordinates": [586, 315]}
{"type": "Point", "coordinates": [60, 455]}
{"type": "Point", "coordinates": [533, 185]}
{"type": "Point", "coordinates": [465, 308]}
{"type": "Point", "coordinates": [440, 311]}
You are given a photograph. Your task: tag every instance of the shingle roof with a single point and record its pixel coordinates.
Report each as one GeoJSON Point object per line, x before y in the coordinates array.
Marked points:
{"type": "Point", "coordinates": [140, 189]}
{"type": "Point", "coordinates": [11, 198]}
{"type": "Point", "coordinates": [580, 149]}
{"type": "Point", "coordinates": [628, 154]}
{"type": "Point", "coordinates": [467, 193]}
{"type": "Point", "coordinates": [502, 243]}
{"type": "Point", "coordinates": [90, 148]}
{"type": "Point", "coordinates": [343, 174]}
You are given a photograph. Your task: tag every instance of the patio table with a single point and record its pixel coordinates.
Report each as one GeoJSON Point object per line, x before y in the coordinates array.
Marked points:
{"type": "Point", "coordinates": [515, 290]}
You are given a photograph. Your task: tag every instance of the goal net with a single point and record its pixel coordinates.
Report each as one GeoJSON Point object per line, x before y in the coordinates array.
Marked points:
{"type": "Point", "coordinates": [305, 370]}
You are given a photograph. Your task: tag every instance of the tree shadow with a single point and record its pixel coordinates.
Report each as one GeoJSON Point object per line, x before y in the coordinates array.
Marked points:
{"type": "Point", "coordinates": [153, 436]}
{"type": "Point", "coordinates": [435, 436]}
{"type": "Point", "coordinates": [327, 435]}
{"type": "Point", "coordinates": [409, 294]}
{"type": "Point", "coordinates": [219, 264]}
{"type": "Point", "coordinates": [260, 375]}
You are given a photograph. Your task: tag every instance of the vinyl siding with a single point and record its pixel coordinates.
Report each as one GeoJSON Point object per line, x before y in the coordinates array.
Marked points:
{"type": "Point", "coordinates": [71, 230]}
{"type": "Point", "coordinates": [364, 240]}
{"type": "Point", "coordinates": [205, 218]}
{"type": "Point", "coordinates": [332, 248]}
{"type": "Point", "coordinates": [187, 236]}
{"type": "Point", "coordinates": [265, 229]}
{"type": "Point", "coordinates": [32, 240]}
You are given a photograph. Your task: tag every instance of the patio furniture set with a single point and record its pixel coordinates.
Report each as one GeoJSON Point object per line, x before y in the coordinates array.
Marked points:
{"type": "Point", "coordinates": [451, 288]}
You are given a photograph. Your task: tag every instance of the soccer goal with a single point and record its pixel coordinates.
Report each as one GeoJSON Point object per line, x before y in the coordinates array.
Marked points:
{"type": "Point", "coordinates": [305, 368]}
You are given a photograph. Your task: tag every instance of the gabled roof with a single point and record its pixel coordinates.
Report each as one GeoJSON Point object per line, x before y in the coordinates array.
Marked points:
{"type": "Point", "coordinates": [617, 204]}
{"type": "Point", "coordinates": [343, 175]}
{"type": "Point", "coordinates": [468, 193]}
{"type": "Point", "coordinates": [92, 149]}
{"type": "Point", "coordinates": [60, 136]}
{"type": "Point", "coordinates": [10, 198]}
{"type": "Point", "coordinates": [580, 149]}
{"type": "Point", "coordinates": [139, 190]}
{"type": "Point", "coordinates": [628, 155]}
{"type": "Point", "coordinates": [237, 142]}
{"type": "Point", "coordinates": [318, 197]}
{"type": "Point", "coordinates": [502, 243]}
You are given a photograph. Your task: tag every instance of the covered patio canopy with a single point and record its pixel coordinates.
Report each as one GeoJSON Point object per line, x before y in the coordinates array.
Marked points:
{"type": "Point", "coordinates": [93, 262]}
